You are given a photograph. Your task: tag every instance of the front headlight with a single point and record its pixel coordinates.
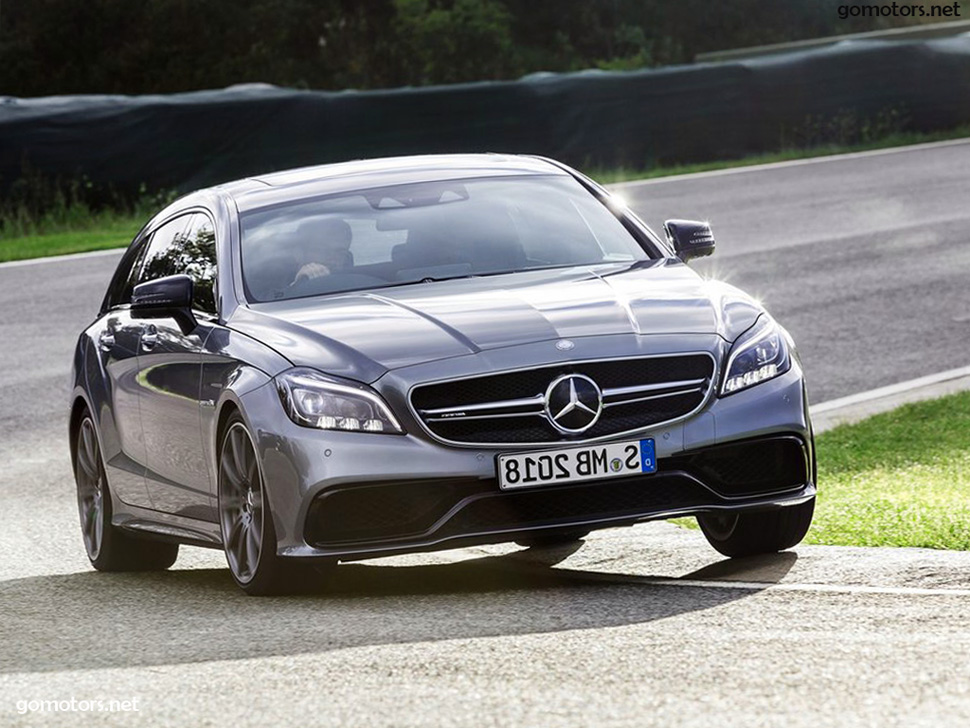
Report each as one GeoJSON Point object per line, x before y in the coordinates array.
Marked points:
{"type": "Point", "coordinates": [756, 357]}
{"type": "Point", "coordinates": [313, 399]}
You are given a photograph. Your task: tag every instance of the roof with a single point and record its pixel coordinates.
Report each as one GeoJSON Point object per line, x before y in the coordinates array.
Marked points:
{"type": "Point", "coordinates": [264, 190]}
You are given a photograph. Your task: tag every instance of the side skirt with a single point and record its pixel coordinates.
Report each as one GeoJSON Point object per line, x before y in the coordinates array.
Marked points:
{"type": "Point", "coordinates": [158, 526]}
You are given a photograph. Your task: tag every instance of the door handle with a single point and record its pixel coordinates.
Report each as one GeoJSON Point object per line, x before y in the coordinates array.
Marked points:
{"type": "Point", "coordinates": [149, 337]}
{"type": "Point", "coordinates": [106, 340]}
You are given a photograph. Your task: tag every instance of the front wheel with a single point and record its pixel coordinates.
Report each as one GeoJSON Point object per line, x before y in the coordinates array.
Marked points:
{"type": "Point", "coordinates": [246, 522]}
{"type": "Point", "coordinates": [757, 532]}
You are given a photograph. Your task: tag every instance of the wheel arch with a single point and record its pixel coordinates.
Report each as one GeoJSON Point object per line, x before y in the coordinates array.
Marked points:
{"type": "Point", "coordinates": [228, 409]}
{"type": "Point", "coordinates": [79, 405]}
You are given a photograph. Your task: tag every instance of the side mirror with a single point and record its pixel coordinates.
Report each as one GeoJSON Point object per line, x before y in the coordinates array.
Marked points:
{"type": "Point", "coordinates": [169, 297]}
{"type": "Point", "coordinates": [691, 239]}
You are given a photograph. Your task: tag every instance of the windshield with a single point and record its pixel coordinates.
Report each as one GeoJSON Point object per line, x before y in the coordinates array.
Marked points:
{"type": "Point", "coordinates": [428, 231]}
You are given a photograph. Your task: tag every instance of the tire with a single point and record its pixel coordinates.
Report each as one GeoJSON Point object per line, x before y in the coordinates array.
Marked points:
{"type": "Point", "coordinates": [550, 540]}
{"type": "Point", "coordinates": [108, 547]}
{"type": "Point", "coordinates": [757, 532]}
{"type": "Point", "coordinates": [246, 521]}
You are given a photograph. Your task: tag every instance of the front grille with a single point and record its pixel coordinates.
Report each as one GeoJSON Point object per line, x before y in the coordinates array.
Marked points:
{"type": "Point", "coordinates": [511, 407]}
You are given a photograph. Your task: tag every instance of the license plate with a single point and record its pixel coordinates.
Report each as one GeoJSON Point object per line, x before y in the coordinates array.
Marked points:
{"type": "Point", "coordinates": [616, 459]}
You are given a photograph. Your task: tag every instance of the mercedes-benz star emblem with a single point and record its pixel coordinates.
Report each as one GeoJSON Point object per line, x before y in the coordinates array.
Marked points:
{"type": "Point", "coordinates": [573, 403]}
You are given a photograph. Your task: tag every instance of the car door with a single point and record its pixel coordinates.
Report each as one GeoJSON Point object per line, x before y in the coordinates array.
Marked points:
{"type": "Point", "coordinates": [170, 369]}
{"type": "Point", "coordinates": [116, 337]}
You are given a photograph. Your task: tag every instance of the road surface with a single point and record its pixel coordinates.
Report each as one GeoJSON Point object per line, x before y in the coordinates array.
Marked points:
{"type": "Point", "coordinates": [864, 259]}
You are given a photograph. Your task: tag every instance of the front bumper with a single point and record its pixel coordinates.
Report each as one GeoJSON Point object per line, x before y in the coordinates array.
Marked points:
{"type": "Point", "coordinates": [354, 495]}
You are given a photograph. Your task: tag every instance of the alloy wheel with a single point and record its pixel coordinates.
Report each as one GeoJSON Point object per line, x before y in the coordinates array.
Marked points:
{"type": "Point", "coordinates": [721, 526]}
{"type": "Point", "coordinates": [90, 487]}
{"type": "Point", "coordinates": [241, 509]}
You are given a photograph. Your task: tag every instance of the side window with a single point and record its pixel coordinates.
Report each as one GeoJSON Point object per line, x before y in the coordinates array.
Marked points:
{"type": "Point", "coordinates": [199, 261]}
{"type": "Point", "coordinates": [163, 253]}
{"type": "Point", "coordinates": [185, 245]}
{"type": "Point", "coordinates": [119, 292]}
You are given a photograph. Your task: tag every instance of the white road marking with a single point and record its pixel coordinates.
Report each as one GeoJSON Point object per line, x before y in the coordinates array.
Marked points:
{"type": "Point", "coordinates": [891, 391]}
{"type": "Point", "coordinates": [820, 588]}
{"type": "Point", "coordinates": [858, 407]}
{"type": "Point", "coordinates": [62, 258]}
{"type": "Point", "coordinates": [788, 163]}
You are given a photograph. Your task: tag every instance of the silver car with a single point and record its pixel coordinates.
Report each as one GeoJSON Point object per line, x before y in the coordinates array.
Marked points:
{"type": "Point", "coordinates": [397, 355]}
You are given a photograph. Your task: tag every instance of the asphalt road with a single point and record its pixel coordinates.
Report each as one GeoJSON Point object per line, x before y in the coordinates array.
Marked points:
{"type": "Point", "coordinates": [865, 260]}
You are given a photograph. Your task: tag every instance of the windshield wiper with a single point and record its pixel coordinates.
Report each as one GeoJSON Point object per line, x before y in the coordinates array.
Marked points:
{"type": "Point", "coordinates": [430, 279]}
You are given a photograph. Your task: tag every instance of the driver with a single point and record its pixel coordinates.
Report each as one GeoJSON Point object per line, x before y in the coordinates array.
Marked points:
{"type": "Point", "coordinates": [324, 248]}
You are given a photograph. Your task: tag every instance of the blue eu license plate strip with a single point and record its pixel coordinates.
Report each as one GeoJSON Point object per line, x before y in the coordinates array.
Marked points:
{"type": "Point", "coordinates": [569, 465]}
{"type": "Point", "coordinates": [648, 456]}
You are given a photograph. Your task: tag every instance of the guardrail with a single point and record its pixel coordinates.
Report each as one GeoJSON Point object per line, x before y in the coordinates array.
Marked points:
{"type": "Point", "coordinates": [913, 32]}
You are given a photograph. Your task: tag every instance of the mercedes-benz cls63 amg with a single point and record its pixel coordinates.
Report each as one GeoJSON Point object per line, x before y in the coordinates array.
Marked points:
{"type": "Point", "coordinates": [377, 357]}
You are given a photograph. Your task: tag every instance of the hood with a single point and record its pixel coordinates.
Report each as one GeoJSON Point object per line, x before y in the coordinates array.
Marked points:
{"type": "Point", "coordinates": [362, 335]}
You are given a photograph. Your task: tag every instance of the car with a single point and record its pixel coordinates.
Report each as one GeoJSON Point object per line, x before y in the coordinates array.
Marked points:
{"type": "Point", "coordinates": [377, 357]}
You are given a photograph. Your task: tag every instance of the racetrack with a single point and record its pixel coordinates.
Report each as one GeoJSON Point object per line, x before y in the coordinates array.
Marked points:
{"type": "Point", "coordinates": [864, 259]}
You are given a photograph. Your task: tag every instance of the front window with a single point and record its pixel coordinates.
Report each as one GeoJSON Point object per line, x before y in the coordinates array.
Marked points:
{"type": "Point", "coordinates": [185, 245]}
{"type": "Point", "coordinates": [428, 231]}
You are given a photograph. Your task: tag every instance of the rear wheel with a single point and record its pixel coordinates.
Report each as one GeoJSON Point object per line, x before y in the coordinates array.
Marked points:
{"type": "Point", "coordinates": [107, 546]}
{"type": "Point", "coordinates": [246, 522]}
{"type": "Point", "coordinates": [757, 532]}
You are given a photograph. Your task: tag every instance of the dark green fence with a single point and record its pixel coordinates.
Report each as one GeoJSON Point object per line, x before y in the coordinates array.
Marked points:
{"type": "Point", "coordinates": [601, 119]}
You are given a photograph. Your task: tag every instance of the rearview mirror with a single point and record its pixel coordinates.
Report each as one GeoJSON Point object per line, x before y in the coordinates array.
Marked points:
{"type": "Point", "coordinates": [691, 239]}
{"type": "Point", "coordinates": [163, 298]}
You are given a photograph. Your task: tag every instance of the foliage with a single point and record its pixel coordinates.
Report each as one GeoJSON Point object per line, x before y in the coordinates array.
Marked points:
{"type": "Point", "coordinates": [77, 226]}
{"type": "Point", "coordinates": [36, 205]}
{"type": "Point", "coordinates": [846, 127]}
{"type": "Point", "coordinates": [160, 46]}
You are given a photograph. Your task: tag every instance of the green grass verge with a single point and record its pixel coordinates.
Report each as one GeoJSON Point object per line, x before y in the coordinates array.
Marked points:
{"type": "Point", "coordinates": [81, 231]}
{"type": "Point", "coordinates": [38, 246]}
{"type": "Point", "coordinates": [114, 233]}
{"type": "Point", "coordinates": [900, 139]}
{"type": "Point", "coordinates": [897, 479]}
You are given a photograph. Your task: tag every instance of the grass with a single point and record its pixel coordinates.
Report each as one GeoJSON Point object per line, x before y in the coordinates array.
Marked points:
{"type": "Point", "coordinates": [44, 218]}
{"type": "Point", "coordinates": [36, 246]}
{"type": "Point", "coordinates": [897, 479]}
{"type": "Point", "coordinates": [899, 139]}
{"type": "Point", "coordinates": [74, 228]}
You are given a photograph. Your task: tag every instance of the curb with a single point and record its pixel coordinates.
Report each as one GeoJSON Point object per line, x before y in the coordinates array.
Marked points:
{"type": "Point", "coordinates": [60, 258]}
{"type": "Point", "coordinates": [857, 407]}
{"type": "Point", "coordinates": [633, 183]}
